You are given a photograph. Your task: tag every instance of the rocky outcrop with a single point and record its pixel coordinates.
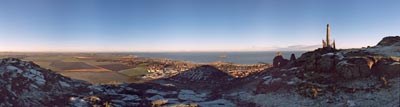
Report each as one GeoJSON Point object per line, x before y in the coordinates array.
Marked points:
{"type": "Point", "coordinates": [347, 64]}
{"type": "Point", "coordinates": [26, 84]}
{"type": "Point", "coordinates": [390, 41]}
{"type": "Point", "coordinates": [325, 71]}
{"type": "Point", "coordinates": [279, 61]}
{"type": "Point", "coordinates": [319, 61]}
{"type": "Point", "coordinates": [388, 46]}
{"type": "Point", "coordinates": [292, 57]}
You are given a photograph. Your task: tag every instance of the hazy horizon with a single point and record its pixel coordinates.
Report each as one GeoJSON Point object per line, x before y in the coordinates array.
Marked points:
{"type": "Point", "coordinates": [154, 51]}
{"type": "Point", "coordinates": [192, 26]}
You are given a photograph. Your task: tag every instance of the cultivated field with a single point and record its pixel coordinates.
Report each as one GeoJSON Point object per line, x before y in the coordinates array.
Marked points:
{"type": "Point", "coordinates": [98, 77]}
{"type": "Point", "coordinates": [71, 65]}
{"type": "Point", "coordinates": [115, 67]}
{"type": "Point", "coordinates": [138, 71]}
{"type": "Point", "coordinates": [100, 68]}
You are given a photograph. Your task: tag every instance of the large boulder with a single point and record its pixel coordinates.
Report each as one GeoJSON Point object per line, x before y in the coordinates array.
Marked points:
{"type": "Point", "coordinates": [328, 62]}
{"type": "Point", "coordinates": [356, 67]}
{"type": "Point", "coordinates": [387, 67]}
{"type": "Point", "coordinates": [320, 62]}
{"type": "Point", "coordinates": [307, 61]}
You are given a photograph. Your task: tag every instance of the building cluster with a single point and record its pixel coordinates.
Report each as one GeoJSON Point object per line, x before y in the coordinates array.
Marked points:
{"type": "Point", "coordinates": [167, 68]}
{"type": "Point", "coordinates": [241, 70]}
{"type": "Point", "coordinates": [162, 68]}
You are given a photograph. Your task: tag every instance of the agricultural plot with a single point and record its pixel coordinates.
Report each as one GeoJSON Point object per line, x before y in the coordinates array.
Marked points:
{"type": "Point", "coordinates": [94, 68]}
{"type": "Point", "coordinates": [46, 65]}
{"type": "Point", "coordinates": [98, 77]}
{"type": "Point", "coordinates": [138, 71]}
{"type": "Point", "coordinates": [71, 65]}
{"type": "Point", "coordinates": [51, 58]}
{"type": "Point", "coordinates": [115, 67]}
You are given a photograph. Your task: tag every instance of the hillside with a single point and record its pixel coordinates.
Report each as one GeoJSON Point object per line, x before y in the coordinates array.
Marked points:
{"type": "Point", "coordinates": [330, 77]}
{"type": "Point", "coordinates": [323, 77]}
{"type": "Point", "coordinates": [26, 84]}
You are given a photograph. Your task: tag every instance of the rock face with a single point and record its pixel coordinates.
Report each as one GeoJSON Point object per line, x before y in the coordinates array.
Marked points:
{"type": "Point", "coordinates": [327, 62]}
{"type": "Point", "coordinates": [355, 67]}
{"type": "Point", "coordinates": [349, 65]}
{"type": "Point", "coordinates": [390, 41]}
{"type": "Point", "coordinates": [387, 67]}
{"type": "Point", "coordinates": [319, 61]}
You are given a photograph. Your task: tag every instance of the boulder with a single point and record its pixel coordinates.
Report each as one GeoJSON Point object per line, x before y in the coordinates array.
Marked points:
{"type": "Point", "coordinates": [307, 61]}
{"type": "Point", "coordinates": [355, 67]}
{"type": "Point", "coordinates": [320, 62]}
{"type": "Point", "coordinates": [387, 67]}
{"type": "Point", "coordinates": [327, 62]}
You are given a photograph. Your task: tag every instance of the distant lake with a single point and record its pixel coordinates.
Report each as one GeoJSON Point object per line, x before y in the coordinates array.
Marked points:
{"type": "Point", "coordinates": [206, 57]}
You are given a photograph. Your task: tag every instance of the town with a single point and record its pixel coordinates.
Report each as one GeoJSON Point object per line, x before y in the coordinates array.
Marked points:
{"type": "Point", "coordinates": [164, 68]}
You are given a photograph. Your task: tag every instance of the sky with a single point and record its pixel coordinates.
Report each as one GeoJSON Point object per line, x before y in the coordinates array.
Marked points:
{"type": "Point", "coordinates": [192, 25]}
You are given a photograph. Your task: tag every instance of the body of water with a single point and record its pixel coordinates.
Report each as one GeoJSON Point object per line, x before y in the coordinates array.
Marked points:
{"type": "Point", "coordinates": [206, 57]}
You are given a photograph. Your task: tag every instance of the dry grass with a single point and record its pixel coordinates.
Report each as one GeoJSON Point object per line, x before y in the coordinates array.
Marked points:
{"type": "Point", "coordinates": [89, 70]}
{"type": "Point", "coordinates": [134, 71]}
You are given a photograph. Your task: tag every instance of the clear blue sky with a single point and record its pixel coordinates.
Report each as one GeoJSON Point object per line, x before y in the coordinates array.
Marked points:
{"type": "Point", "coordinates": [192, 25]}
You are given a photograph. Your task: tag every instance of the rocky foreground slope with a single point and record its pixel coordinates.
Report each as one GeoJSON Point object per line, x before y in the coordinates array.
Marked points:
{"type": "Point", "coordinates": [330, 77]}
{"type": "Point", "coordinates": [324, 77]}
{"type": "Point", "coordinates": [26, 84]}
